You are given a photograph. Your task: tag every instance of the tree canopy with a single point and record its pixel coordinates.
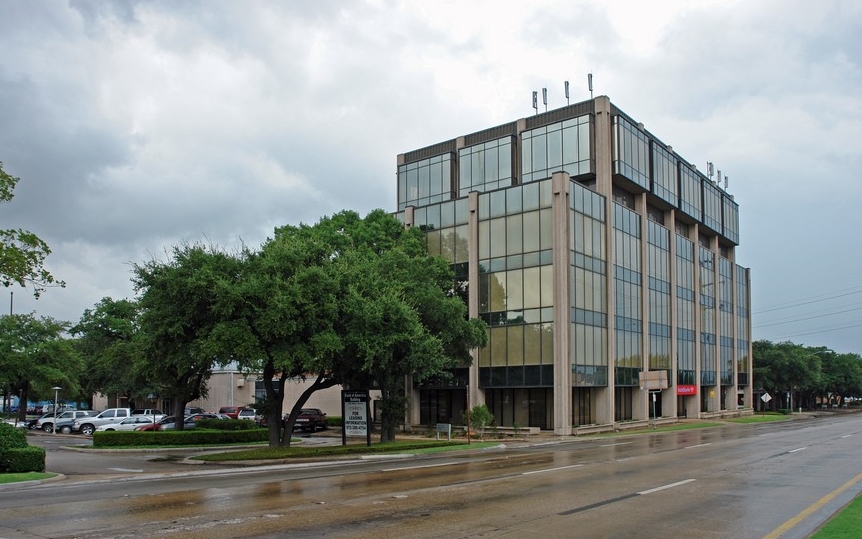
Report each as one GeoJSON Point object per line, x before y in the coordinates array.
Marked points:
{"type": "Point", "coordinates": [181, 324]}
{"type": "Point", "coordinates": [347, 301]}
{"type": "Point", "coordinates": [22, 253]}
{"type": "Point", "coordinates": [106, 339]}
{"type": "Point", "coordinates": [808, 373]}
{"type": "Point", "coordinates": [35, 356]}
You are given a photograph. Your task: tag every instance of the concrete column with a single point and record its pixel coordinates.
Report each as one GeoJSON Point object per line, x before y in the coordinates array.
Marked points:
{"type": "Point", "coordinates": [475, 396]}
{"type": "Point", "coordinates": [562, 307]}
{"type": "Point", "coordinates": [603, 147]}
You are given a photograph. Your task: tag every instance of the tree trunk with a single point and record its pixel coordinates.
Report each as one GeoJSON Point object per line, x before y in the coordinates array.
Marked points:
{"type": "Point", "coordinates": [179, 406]}
{"type": "Point", "coordinates": [23, 396]}
{"type": "Point", "coordinates": [290, 422]}
{"type": "Point", "coordinates": [274, 400]}
{"type": "Point", "coordinates": [393, 411]}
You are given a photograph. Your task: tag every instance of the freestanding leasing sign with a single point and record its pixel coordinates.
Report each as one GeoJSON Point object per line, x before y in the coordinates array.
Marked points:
{"type": "Point", "coordinates": [355, 411]}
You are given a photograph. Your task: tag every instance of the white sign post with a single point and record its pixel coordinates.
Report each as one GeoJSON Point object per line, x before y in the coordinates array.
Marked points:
{"type": "Point", "coordinates": [355, 415]}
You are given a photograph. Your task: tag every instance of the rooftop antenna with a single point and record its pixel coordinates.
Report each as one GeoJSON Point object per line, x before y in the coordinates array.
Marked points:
{"type": "Point", "coordinates": [725, 182]}
{"type": "Point", "coordinates": [536, 101]}
{"type": "Point", "coordinates": [710, 169]}
{"type": "Point", "coordinates": [545, 98]}
{"type": "Point", "coordinates": [719, 178]}
{"type": "Point", "coordinates": [590, 83]}
{"type": "Point", "coordinates": [567, 91]}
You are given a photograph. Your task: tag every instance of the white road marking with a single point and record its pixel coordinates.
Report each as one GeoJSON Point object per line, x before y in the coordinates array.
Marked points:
{"type": "Point", "coordinates": [423, 466]}
{"type": "Point", "coordinates": [620, 443]}
{"type": "Point", "coordinates": [672, 485]}
{"type": "Point", "coordinates": [698, 445]}
{"type": "Point", "coordinates": [553, 469]}
{"type": "Point", "coordinates": [797, 449]}
{"type": "Point", "coordinates": [125, 470]}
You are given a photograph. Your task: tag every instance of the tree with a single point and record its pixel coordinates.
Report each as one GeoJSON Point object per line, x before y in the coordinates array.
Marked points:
{"type": "Point", "coordinates": [182, 324]}
{"type": "Point", "coordinates": [35, 356]}
{"type": "Point", "coordinates": [106, 339]}
{"type": "Point", "coordinates": [842, 376]}
{"type": "Point", "coordinates": [282, 313]}
{"type": "Point", "coordinates": [347, 301]}
{"type": "Point", "coordinates": [22, 253]}
{"type": "Point", "coordinates": [481, 418]}
{"type": "Point", "coordinates": [400, 316]}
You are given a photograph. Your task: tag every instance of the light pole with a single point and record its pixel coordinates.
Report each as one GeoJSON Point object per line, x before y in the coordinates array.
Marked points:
{"type": "Point", "coordinates": [56, 397]}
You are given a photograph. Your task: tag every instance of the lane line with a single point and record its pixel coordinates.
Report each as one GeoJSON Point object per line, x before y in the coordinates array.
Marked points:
{"type": "Point", "coordinates": [797, 449]}
{"type": "Point", "coordinates": [614, 445]}
{"type": "Point", "coordinates": [403, 468]}
{"type": "Point", "coordinates": [698, 445]}
{"type": "Point", "coordinates": [621, 498]}
{"type": "Point", "coordinates": [788, 525]}
{"type": "Point", "coordinates": [552, 469]}
{"type": "Point", "coordinates": [665, 487]}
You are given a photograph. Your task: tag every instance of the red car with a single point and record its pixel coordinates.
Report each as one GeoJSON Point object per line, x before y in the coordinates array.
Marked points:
{"type": "Point", "coordinates": [230, 411]}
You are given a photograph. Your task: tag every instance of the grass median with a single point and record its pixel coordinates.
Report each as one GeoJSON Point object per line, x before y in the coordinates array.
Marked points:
{"type": "Point", "coordinates": [845, 525]}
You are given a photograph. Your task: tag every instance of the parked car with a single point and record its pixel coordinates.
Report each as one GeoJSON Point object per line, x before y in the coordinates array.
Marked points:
{"type": "Point", "coordinates": [31, 423]}
{"type": "Point", "coordinates": [130, 423]}
{"type": "Point", "coordinates": [87, 425]}
{"type": "Point", "coordinates": [169, 423]}
{"type": "Point", "coordinates": [230, 411]}
{"type": "Point", "coordinates": [64, 426]}
{"type": "Point", "coordinates": [49, 408]}
{"type": "Point", "coordinates": [246, 413]}
{"type": "Point", "coordinates": [158, 424]}
{"type": "Point", "coordinates": [46, 422]}
{"type": "Point", "coordinates": [194, 410]}
{"type": "Point", "coordinates": [149, 412]}
{"type": "Point", "coordinates": [311, 419]}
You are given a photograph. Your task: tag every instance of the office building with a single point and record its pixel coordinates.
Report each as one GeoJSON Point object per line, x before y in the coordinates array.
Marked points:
{"type": "Point", "coordinates": [603, 263]}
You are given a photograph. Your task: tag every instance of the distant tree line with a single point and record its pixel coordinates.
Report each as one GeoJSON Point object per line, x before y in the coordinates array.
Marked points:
{"type": "Point", "coordinates": [348, 301]}
{"type": "Point", "coordinates": [815, 376]}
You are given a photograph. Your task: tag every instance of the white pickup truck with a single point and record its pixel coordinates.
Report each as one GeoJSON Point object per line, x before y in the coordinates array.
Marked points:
{"type": "Point", "coordinates": [87, 425]}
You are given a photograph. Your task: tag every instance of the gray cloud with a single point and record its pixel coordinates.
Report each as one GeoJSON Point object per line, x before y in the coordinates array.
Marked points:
{"type": "Point", "coordinates": [137, 125]}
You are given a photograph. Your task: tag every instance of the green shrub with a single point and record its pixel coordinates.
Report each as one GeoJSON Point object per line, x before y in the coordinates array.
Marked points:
{"type": "Point", "coordinates": [334, 421]}
{"type": "Point", "coordinates": [12, 437]}
{"type": "Point", "coordinates": [480, 418]}
{"type": "Point", "coordinates": [197, 436]}
{"type": "Point", "coordinates": [22, 460]}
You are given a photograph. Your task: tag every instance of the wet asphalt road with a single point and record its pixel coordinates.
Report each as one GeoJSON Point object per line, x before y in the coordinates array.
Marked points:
{"type": "Point", "coordinates": [736, 481]}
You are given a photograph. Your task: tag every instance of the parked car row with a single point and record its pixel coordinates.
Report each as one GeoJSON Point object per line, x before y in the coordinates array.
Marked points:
{"type": "Point", "coordinates": [142, 419]}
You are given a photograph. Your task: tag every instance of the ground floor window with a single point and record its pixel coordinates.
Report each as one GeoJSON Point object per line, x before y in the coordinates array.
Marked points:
{"type": "Point", "coordinates": [525, 407]}
{"type": "Point", "coordinates": [442, 406]}
{"type": "Point", "coordinates": [582, 406]}
{"type": "Point", "coordinates": [623, 397]}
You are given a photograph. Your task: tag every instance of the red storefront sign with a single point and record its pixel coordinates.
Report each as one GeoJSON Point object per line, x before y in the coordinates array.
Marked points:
{"type": "Point", "coordinates": [686, 389]}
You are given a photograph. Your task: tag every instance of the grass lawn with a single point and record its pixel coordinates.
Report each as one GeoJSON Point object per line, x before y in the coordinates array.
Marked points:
{"type": "Point", "coordinates": [760, 418]}
{"type": "Point", "coordinates": [300, 452]}
{"type": "Point", "coordinates": [844, 525]}
{"type": "Point", "coordinates": [18, 477]}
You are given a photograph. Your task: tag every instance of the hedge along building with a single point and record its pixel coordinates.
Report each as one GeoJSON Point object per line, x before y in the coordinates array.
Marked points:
{"type": "Point", "coordinates": [595, 253]}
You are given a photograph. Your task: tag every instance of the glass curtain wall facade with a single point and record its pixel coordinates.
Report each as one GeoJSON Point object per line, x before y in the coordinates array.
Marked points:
{"type": "Point", "coordinates": [589, 292]}
{"type": "Point", "coordinates": [594, 253]}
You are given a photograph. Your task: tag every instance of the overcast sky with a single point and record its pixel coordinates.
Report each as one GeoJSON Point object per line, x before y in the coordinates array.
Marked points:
{"type": "Point", "coordinates": [135, 126]}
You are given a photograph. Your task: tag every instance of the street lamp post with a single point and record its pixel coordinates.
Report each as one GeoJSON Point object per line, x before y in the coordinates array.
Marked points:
{"type": "Point", "coordinates": [56, 397]}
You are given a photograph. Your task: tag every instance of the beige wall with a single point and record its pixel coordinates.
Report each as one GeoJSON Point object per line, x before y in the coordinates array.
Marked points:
{"type": "Point", "coordinates": [234, 389]}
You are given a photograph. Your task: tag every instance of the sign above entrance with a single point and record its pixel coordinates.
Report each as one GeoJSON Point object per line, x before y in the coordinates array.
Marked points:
{"type": "Point", "coordinates": [686, 389]}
